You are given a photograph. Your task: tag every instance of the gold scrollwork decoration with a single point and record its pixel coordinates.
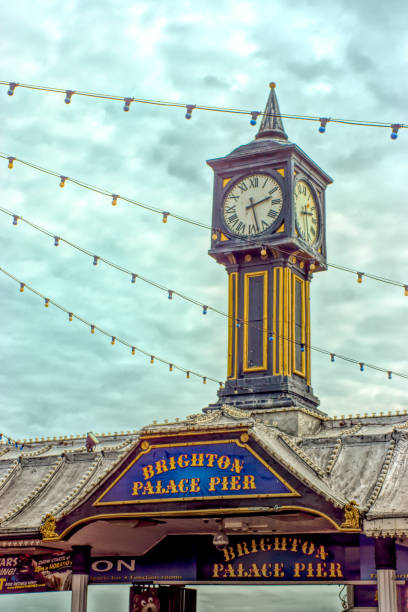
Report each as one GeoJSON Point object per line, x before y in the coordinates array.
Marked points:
{"type": "Point", "coordinates": [234, 412]}
{"type": "Point", "coordinates": [351, 516]}
{"type": "Point", "coordinates": [203, 419]}
{"type": "Point", "coordinates": [47, 529]}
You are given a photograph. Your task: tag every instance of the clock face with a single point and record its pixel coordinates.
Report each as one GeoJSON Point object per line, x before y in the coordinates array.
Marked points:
{"type": "Point", "coordinates": [306, 213]}
{"type": "Point", "coordinates": [252, 205]}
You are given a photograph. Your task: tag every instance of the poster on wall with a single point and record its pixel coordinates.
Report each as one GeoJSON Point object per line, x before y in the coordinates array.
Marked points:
{"type": "Point", "coordinates": [22, 573]}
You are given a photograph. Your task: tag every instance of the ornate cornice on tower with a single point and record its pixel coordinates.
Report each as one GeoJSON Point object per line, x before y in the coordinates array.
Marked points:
{"type": "Point", "coordinates": [272, 124]}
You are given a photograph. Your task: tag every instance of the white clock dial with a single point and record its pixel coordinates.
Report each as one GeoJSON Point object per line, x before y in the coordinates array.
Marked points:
{"type": "Point", "coordinates": [306, 213]}
{"type": "Point", "coordinates": [253, 205]}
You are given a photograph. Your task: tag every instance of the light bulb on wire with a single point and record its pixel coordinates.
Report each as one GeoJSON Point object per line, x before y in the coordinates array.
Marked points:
{"type": "Point", "coordinates": [127, 101]}
{"type": "Point", "coordinates": [323, 122]}
{"type": "Point", "coordinates": [11, 88]}
{"type": "Point", "coordinates": [189, 112]}
{"type": "Point", "coordinates": [68, 96]}
{"type": "Point", "coordinates": [254, 117]}
{"type": "Point", "coordinates": [394, 134]}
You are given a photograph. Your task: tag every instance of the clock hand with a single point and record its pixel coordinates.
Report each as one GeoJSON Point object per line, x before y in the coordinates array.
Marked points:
{"type": "Point", "coordinates": [307, 225]}
{"type": "Point", "coordinates": [253, 210]}
{"type": "Point", "coordinates": [305, 211]}
{"type": "Point", "coordinates": [256, 203]}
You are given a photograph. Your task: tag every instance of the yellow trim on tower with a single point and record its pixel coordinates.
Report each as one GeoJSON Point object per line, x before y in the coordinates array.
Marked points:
{"type": "Point", "coordinates": [232, 325]}
{"type": "Point", "coordinates": [281, 171]}
{"type": "Point", "coordinates": [286, 322]}
{"type": "Point", "coordinates": [278, 329]}
{"type": "Point", "coordinates": [247, 276]}
{"type": "Point", "coordinates": [225, 181]}
{"type": "Point", "coordinates": [280, 229]}
{"type": "Point", "coordinates": [298, 279]}
{"type": "Point", "coordinates": [224, 238]}
{"type": "Point", "coordinates": [307, 326]}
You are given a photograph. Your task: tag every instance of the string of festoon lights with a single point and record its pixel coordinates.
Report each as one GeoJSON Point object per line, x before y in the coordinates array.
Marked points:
{"type": "Point", "coordinates": [113, 339]}
{"type": "Point", "coordinates": [7, 441]}
{"type": "Point", "coordinates": [189, 108]}
{"type": "Point", "coordinates": [171, 293]}
{"type": "Point", "coordinates": [63, 179]}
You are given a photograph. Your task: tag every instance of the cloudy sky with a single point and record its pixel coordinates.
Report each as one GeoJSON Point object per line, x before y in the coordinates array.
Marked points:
{"type": "Point", "coordinates": [337, 59]}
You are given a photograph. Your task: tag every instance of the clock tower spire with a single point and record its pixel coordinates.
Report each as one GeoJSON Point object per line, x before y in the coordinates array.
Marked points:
{"type": "Point", "coordinates": [269, 233]}
{"type": "Point", "coordinates": [272, 124]}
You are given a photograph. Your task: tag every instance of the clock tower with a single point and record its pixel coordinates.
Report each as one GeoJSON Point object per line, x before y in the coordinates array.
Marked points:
{"type": "Point", "coordinates": [269, 233]}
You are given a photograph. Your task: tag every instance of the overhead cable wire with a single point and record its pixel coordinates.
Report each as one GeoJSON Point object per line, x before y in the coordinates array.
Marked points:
{"type": "Point", "coordinates": [115, 197]}
{"type": "Point", "coordinates": [114, 339]}
{"type": "Point", "coordinates": [171, 293]}
{"type": "Point", "coordinates": [128, 100]}
{"type": "Point", "coordinates": [97, 258]}
{"type": "Point", "coordinates": [165, 214]}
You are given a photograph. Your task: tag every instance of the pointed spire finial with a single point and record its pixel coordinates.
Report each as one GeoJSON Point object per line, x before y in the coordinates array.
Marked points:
{"type": "Point", "coordinates": [272, 125]}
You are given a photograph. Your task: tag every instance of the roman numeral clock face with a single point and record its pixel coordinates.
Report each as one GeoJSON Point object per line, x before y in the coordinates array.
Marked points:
{"type": "Point", "coordinates": [306, 213]}
{"type": "Point", "coordinates": [252, 205]}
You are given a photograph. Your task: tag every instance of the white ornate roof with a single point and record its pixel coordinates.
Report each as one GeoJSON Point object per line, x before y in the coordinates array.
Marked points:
{"type": "Point", "coordinates": [355, 458]}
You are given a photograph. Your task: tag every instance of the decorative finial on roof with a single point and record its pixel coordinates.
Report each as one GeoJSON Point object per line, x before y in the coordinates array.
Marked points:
{"type": "Point", "coordinates": [272, 125]}
{"type": "Point", "coordinates": [91, 441]}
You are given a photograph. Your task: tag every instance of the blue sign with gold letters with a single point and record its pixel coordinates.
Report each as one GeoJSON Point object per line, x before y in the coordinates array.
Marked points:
{"type": "Point", "coordinates": [195, 471]}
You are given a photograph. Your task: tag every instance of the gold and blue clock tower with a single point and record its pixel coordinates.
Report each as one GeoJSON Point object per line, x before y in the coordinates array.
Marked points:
{"type": "Point", "coordinates": [269, 233]}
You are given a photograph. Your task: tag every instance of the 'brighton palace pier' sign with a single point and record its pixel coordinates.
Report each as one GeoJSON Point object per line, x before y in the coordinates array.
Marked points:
{"type": "Point", "coordinates": [195, 471]}
{"type": "Point", "coordinates": [267, 559]}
